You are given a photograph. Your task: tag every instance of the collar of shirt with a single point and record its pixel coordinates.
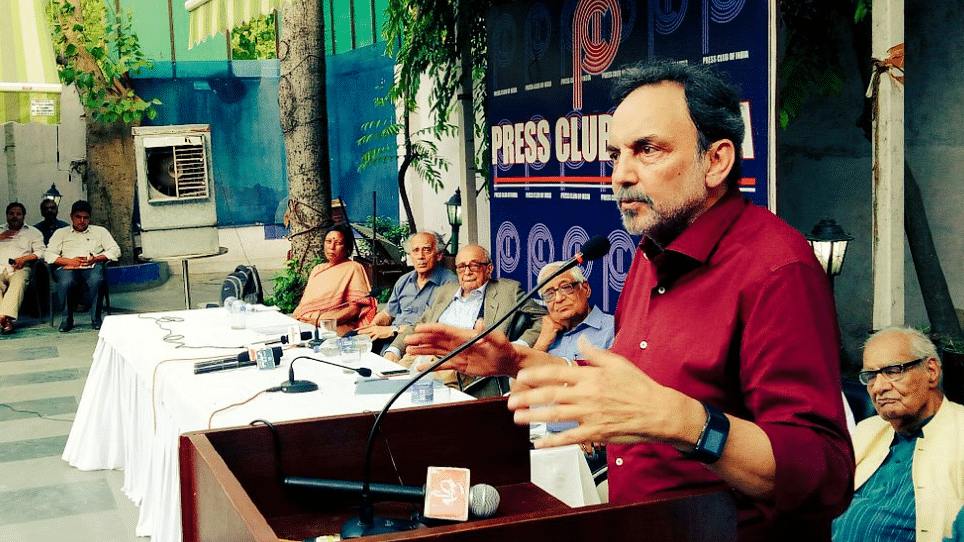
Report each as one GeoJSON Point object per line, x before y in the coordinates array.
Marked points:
{"type": "Point", "coordinates": [593, 320]}
{"type": "Point", "coordinates": [914, 434]}
{"type": "Point", "coordinates": [474, 294]}
{"type": "Point", "coordinates": [696, 244]}
{"type": "Point", "coordinates": [436, 276]}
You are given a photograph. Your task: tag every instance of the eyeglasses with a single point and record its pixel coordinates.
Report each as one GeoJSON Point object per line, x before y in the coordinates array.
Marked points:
{"type": "Point", "coordinates": [567, 288]}
{"type": "Point", "coordinates": [475, 267]}
{"type": "Point", "coordinates": [892, 372]}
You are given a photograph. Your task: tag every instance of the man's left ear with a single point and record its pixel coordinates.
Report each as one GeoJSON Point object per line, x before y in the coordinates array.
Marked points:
{"type": "Point", "coordinates": [721, 156]}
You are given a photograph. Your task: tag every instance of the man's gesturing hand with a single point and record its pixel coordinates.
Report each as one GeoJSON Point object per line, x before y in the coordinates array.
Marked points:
{"type": "Point", "coordinates": [611, 399]}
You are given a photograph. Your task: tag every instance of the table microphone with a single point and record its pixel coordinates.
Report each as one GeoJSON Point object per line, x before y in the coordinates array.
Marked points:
{"type": "Point", "coordinates": [301, 386]}
{"type": "Point", "coordinates": [375, 292]}
{"type": "Point", "coordinates": [366, 522]}
{"type": "Point", "coordinates": [241, 360]}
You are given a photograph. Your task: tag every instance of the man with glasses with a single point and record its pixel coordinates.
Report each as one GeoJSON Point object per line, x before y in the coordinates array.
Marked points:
{"type": "Point", "coordinates": [910, 463]}
{"type": "Point", "coordinates": [475, 302]}
{"type": "Point", "coordinates": [413, 292]}
{"type": "Point", "coordinates": [570, 316]}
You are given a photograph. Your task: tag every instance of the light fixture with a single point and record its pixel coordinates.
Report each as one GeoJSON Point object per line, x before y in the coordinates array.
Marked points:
{"type": "Point", "coordinates": [453, 207]}
{"type": "Point", "coordinates": [829, 243]}
{"type": "Point", "coordinates": [53, 194]}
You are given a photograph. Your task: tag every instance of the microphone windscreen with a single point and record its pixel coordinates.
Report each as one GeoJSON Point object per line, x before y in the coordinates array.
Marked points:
{"type": "Point", "coordinates": [364, 371]}
{"type": "Point", "coordinates": [483, 500]}
{"type": "Point", "coordinates": [595, 248]}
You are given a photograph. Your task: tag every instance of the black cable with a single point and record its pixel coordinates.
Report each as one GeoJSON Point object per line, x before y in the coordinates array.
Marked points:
{"type": "Point", "coordinates": [277, 446]}
{"type": "Point", "coordinates": [34, 412]}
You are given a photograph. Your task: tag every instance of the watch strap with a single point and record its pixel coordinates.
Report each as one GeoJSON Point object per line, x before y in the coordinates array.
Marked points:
{"type": "Point", "coordinates": [712, 440]}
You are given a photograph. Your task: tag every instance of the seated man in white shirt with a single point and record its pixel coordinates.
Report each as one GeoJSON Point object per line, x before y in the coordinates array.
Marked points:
{"type": "Point", "coordinates": [476, 301]}
{"type": "Point", "coordinates": [81, 252]}
{"type": "Point", "coordinates": [19, 245]}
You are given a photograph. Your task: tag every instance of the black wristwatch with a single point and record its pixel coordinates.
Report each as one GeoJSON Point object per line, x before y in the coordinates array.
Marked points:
{"type": "Point", "coordinates": [709, 447]}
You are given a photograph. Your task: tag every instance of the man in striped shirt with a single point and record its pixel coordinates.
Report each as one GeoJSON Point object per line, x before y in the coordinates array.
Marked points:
{"type": "Point", "coordinates": [910, 463]}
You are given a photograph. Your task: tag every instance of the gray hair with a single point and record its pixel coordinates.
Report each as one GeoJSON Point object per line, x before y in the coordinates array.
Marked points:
{"type": "Point", "coordinates": [550, 268]}
{"type": "Point", "coordinates": [407, 243]}
{"type": "Point", "coordinates": [920, 345]}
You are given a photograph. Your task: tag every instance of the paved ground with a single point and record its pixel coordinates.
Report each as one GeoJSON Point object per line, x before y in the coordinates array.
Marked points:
{"type": "Point", "coordinates": [42, 375]}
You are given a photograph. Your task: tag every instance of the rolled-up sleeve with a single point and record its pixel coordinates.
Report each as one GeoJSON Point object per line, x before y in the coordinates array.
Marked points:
{"type": "Point", "coordinates": [790, 377]}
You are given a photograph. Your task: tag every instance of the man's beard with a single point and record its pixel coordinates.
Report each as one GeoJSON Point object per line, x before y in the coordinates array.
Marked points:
{"type": "Point", "coordinates": [662, 227]}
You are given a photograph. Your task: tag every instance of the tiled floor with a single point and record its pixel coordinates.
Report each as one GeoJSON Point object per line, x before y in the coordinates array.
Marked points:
{"type": "Point", "coordinates": [42, 374]}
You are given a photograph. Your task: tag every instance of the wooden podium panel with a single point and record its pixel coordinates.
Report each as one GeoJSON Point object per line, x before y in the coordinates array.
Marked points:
{"type": "Point", "coordinates": [231, 486]}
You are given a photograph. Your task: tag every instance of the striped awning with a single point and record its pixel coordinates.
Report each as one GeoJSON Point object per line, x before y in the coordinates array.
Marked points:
{"type": "Point", "coordinates": [210, 17]}
{"type": "Point", "coordinates": [29, 86]}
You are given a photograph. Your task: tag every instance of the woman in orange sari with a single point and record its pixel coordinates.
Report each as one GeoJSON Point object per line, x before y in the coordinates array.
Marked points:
{"type": "Point", "coordinates": [338, 288]}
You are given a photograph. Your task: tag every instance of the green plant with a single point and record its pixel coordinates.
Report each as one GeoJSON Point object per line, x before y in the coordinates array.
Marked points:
{"type": "Point", "coordinates": [387, 229]}
{"type": "Point", "coordinates": [254, 40]}
{"type": "Point", "coordinates": [98, 51]}
{"type": "Point", "coordinates": [289, 286]}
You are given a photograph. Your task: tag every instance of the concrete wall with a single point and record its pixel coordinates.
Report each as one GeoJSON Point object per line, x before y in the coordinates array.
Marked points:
{"type": "Point", "coordinates": [824, 165]}
{"type": "Point", "coordinates": [36, 155]}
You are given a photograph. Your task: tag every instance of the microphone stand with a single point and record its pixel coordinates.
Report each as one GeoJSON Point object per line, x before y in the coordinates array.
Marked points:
{"type": "Point", "coordinates": [366, 523]}
{"type": "Point", "coordinates": [302, 386]}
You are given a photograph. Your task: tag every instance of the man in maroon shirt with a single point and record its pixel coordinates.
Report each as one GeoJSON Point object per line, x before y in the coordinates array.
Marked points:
{"type": "Point", "coordinates": [725, 365]}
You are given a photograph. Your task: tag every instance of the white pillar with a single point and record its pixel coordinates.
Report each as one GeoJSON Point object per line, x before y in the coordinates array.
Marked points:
{"type": "Point", "coordinates": [888, 171]}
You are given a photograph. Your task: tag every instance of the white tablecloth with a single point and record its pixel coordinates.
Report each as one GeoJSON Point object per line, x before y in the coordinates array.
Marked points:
{"type": "Point", "coordinates": [142, 393]}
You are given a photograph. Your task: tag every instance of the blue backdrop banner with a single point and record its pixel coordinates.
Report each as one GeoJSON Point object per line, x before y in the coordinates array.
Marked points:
{"type": "Point", "coordinates": [550, 71]}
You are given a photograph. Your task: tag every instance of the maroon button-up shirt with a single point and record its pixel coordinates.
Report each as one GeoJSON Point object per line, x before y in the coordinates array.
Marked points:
{"type": "Point", "coordinates": [738, 313]}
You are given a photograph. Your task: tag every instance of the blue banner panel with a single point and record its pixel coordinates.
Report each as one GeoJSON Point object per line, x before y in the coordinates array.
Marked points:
{"type": "Point", "coordinates": [551, 67]}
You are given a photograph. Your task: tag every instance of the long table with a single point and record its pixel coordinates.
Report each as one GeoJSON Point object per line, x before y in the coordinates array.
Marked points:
{"type": "Point", "coordinates": [142, 393]}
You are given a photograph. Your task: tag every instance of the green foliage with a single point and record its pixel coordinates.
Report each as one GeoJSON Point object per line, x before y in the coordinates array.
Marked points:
{"type": "Point", "coordinates": [289, 286]}
{"type": "Point", "coordinates": [254, 40]}
{"type": "Point", "coordinates": [387, 229]}
{"type": "Point", "coordinates": [810, 65]}
{"type": "Point", "coordinates": [421, 36]}
{"type": "Point", "coordinates": [97, 57]}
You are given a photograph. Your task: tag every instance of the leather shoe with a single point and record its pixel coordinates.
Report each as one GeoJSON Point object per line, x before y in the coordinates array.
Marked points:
{"type": "Point", "coordinates": [95, 324]}
{"type": "Point", "coordinates": [6, 325]}
{"type": "Point", "coordinates": [66, 326]}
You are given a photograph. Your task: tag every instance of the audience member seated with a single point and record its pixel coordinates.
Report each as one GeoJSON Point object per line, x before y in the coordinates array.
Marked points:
{"type": "Point", "coordinates": [570, 316]}
{"type": "Point", "coordinates": [338, 289]}
{"type": "Point", "coordinates": [19, 244]}
{"type": "Point", "coordinates": [413, 292]}
{"type": "Point", "coordinates": [50, 223]}
{"type": "Point", "coordinates": [81, 252]}
{"type": "Point", "coordinates": [476, 302]}
{"type": "Point", "coordinates": [910, 460]}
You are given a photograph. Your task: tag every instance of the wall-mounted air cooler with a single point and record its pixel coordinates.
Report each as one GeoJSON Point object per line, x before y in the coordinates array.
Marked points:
{"type": "Point", "coordinates": [175, 190]}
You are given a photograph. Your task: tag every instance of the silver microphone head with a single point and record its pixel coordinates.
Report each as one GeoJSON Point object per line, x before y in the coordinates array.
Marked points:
{"type": "Point", "coordinates": [483, 501]}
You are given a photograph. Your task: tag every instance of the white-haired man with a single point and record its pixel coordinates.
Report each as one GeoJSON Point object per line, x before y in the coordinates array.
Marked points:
{"type": "Point", "coordinates": [570, 315]}
{"type": "Point", "coordinates": [910, 463]}
{"type": "Point", "coordinates": [413, 291]}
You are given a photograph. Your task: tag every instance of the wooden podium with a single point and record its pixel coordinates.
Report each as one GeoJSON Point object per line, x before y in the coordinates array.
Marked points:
{"type": "Point", "coordinates": [231, 486]}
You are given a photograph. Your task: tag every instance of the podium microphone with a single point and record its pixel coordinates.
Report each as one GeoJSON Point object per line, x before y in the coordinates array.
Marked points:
{"type": "Point", "coordinates": [375, 292]}
{"type": "Point", "coordinates": [483, 498]}
{"type": "Point", "coordinates": [301, 386]}
{"type": "Point", "coordinates": [366, 522]}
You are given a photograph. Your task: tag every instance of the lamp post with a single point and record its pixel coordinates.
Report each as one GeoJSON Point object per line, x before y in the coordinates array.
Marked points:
{"type": "Point", "coordinates": [53, 194]}
{"type": "Point", "coordinates": [453, 208]}
{"type": "Point", "coordinates": [829, 243]}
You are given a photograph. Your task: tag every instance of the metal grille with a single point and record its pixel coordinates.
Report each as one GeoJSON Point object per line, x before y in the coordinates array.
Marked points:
{"type": "Point", "coordinates": [190, 171]}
